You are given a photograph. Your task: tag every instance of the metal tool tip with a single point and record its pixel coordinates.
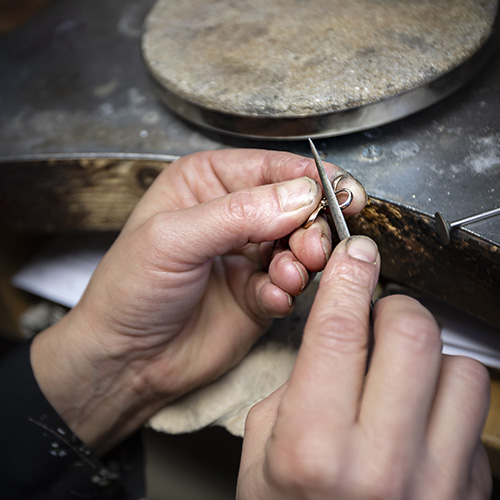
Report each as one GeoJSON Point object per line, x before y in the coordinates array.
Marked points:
{"type": "Point", "coordinates": [314, 152]}
{"type": "Point", "coordinates": [443, 228]}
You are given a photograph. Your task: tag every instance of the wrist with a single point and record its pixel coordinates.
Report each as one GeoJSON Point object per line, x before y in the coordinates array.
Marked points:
{"type": "Point", "coordinates": [94, 392]}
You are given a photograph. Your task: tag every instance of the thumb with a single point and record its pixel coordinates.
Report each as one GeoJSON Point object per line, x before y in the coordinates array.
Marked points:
{"type": "Point", "coordinates": [255, 215]}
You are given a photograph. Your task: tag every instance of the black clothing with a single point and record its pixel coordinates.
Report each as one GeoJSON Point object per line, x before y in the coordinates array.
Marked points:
{"type": "Point", "coordinates": [41, 458]}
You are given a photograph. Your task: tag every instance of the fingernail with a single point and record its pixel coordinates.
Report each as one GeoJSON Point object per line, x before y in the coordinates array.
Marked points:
{"type": "Point", "coordinates": [326, 243]}
{"type": "Point", "coordinates": [296, 193]}
{"type": "Point", "coordinates": [303, 278]}
{"type": "Point", "coordinates": [362, 248]}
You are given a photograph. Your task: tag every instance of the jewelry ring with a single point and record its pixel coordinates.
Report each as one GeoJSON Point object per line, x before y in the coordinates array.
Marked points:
{"type": "Point", "coordinates": [323, 204]}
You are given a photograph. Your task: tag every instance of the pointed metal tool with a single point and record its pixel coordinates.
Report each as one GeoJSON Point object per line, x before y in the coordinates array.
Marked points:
{"type": "Point", "coordinates": [444, 227]}
{"type": "Point", "coordinates": [331, 198]}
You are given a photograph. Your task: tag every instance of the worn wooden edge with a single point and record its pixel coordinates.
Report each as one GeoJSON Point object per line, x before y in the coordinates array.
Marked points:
{"type": "Point", "coordinates": [77, 194]}
{"type": "Point", "coordinates": [74, 194]}
{"type": "Point", "coordinates": [464, 274]}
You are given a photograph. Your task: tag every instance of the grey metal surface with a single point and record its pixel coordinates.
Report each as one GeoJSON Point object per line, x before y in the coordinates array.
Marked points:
{"type": "Point", "coordinates": [292, 70]}
{"type": "Point", "coordinates": [73, 81]}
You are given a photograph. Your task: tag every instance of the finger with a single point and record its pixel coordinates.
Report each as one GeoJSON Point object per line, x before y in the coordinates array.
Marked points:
{"type": "Point", "coordinates": [312, 246]}
{"type": "Point", "coordinates": [257, 167]}
{"type": "Point", "coordinates": [403, 373]}
{"type": "Point", "coordinates": [329, 371]}
{"type": "Point", "coordinates": [458, 415]}
{"type": "Point", "coordinates": [309, 251]}
{"type": "Point", "coordinates": [481, 478]}
{"type": "Point", "coordinates": [258, 427]}
{"type": "Point", "coordinates": [345, 181]}
{"type": "Point", "coordinates": [193, 236]}
{"type": "Point", "coordinates": [264, 299]}
{"type": "Point", "coordinates": [238, 169]}
{"type": "Point", "coordinates": [286, 272]}
{"type": "Point", "coordinates": [254, 291]}
{"type": "Point", "coordinates": [208, 175]}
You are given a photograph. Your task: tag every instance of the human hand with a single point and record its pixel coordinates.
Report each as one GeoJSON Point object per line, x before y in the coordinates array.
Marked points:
{"type": "Point", "coordinates": [409, 430]}
{"type": "Point", "coordinates": [186, 289]}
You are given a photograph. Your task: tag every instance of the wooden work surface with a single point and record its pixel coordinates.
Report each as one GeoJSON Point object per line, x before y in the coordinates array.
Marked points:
{"type": "Point", "coordinates": [77, 84]}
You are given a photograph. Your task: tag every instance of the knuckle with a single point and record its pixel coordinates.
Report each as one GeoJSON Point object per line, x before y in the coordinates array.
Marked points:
{"type": "Point", "coordinates": [343, 333]}
{"type": "Point", "coordinates": [354, 275]}
{"type": "Point", "coordinates": [302, 467]}
{"type": "Point", "coordinates": [155, 232]}
{"type": "Point", "coordinates": [241, 207]}
{"type": "Point", "coordinates": [474, 373]}
{"type": "Point", "coordinates": [421, 336]}
{"type": "Point", "coordinates": [343, 325]}
{"type": "Point", "coordinates": [414, 326]}
{"type": "Point", "coordinates": [163, 239]}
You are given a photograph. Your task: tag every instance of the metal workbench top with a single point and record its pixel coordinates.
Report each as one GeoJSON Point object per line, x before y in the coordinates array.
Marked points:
{"type": "Point", "coordinates": [73, 80]}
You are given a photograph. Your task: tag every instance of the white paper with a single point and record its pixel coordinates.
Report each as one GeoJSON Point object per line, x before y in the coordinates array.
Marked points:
{"type": "Point", "coordinates": [62, 270]}
{"type": "Point", "coordinates": [466, 336]}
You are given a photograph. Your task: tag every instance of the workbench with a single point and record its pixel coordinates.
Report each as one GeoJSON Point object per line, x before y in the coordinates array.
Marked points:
{"type": "Point", "coordinates": [82, 135]}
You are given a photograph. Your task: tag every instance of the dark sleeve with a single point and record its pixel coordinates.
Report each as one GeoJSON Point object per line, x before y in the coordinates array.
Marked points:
{"type": "Point", "coordinates": [40, 458]}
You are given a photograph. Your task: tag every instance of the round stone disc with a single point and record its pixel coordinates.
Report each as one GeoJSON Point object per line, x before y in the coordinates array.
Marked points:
{"type": "Point", "coordinates": [298, 68]}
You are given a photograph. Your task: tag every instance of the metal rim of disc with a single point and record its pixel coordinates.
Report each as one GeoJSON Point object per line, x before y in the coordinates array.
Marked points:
{"type": "Point", "coordinates": [334, 123]}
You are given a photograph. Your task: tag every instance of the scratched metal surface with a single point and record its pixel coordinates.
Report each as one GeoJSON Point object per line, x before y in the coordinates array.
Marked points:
{"type": "Point", "coordinates": [73, 80]}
